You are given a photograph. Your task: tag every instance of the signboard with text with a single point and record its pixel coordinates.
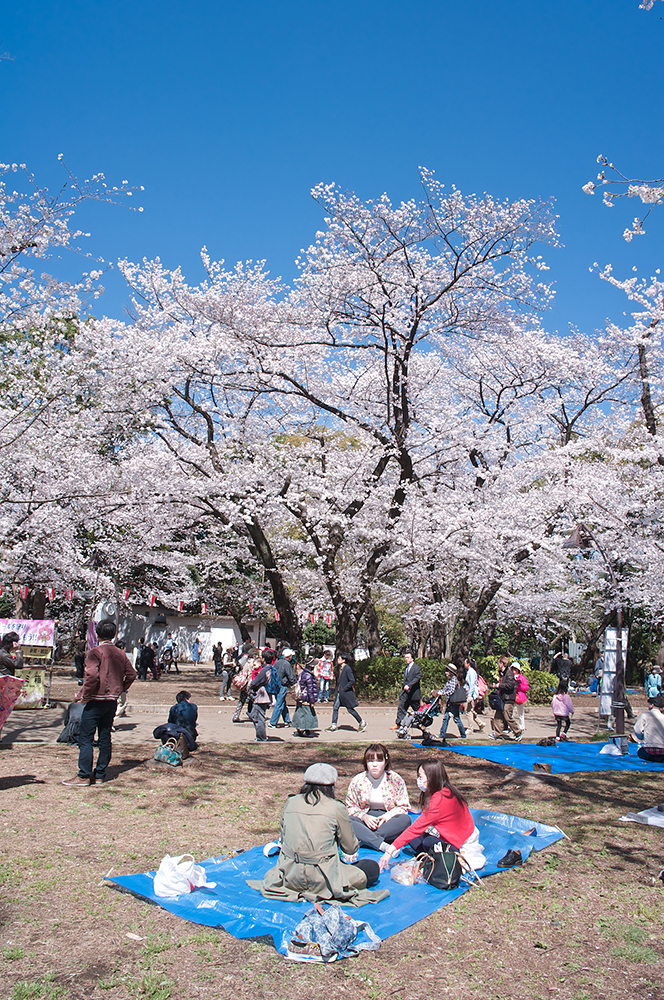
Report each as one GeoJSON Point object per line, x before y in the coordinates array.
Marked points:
{"type": "Point", "coordinates": [32, 632]}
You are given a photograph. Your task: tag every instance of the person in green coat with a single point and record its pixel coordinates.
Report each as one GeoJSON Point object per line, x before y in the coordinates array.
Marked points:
{"type": "Point", "coordinates": [314, 829]}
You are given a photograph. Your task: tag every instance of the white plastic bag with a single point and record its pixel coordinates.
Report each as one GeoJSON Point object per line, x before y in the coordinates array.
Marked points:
{"type": "Point", "coordinates": [179, 875]}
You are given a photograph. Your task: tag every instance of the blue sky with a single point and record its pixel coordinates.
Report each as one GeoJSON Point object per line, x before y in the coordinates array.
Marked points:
{"type": "Point", "coordinates": [228, 114]}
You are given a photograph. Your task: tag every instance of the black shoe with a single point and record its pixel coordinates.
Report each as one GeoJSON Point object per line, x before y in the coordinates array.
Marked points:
{"type": "Point", "coordinates": [511, 859]}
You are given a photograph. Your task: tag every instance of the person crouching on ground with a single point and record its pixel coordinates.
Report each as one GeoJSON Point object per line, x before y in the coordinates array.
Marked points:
{"type": "Point", "coordinates": [649, 727]}
{"type": "Point", "coordinates": [184, 713]}
{"type": "Point", "coordinates": [377, 801]}
{"type": "Point", "coordinates": [315, 828]}
{"type": "Point", "coordinates": [108, 672]}
{"type": "Point", "coordinates": [445, 816]}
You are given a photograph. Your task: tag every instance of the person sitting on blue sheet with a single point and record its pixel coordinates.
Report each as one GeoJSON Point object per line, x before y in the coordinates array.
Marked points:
{"type": "Point", "coordinates": [318, 849]}
{"type": "Point", "coordinates": [649, 727]}
{"type": "Point", "coordinates": [184, 713]}
{"type": "Point", "coordinates": [377, 800]}
{"type": "Point", "coordinates": [445, 817]}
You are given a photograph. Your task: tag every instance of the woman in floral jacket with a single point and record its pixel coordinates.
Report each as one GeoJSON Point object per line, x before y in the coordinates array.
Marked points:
{"type": "Point", "coordinates": [377, 801]}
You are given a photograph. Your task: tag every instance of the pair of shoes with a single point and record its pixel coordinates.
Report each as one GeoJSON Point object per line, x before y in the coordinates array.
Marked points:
{"type": "Point", "coordinates": [78, 782]}
{"type": "Point", "coordinates": [270, 726]}
{"type": "Point", "coordinates": [492, 736]}
{"type": "Point", "coordinates": [517, 739]}
{"type": "Point", "coordinates": [362, 726]}
{"type": "Point", "coordinates": [332, 729]}
{"type": "Point", "coordinates": [287, 725]}
{"type": "Point", "coordinates": [563, 736]}
{"type": "Point", "coordinates": [395, 726]}
{"type": "Point", "coordinates": [511, 859]}
{"type": "Point", "coordinates": [260, 741]}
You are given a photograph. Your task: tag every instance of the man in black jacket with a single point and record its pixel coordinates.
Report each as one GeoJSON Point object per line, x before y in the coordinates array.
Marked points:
{"type": "Point", "coordinates": [410, 696]}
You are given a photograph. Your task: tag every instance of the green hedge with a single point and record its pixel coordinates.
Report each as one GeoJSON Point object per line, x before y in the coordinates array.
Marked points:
{"type": "Point", "coordinates": [381, 677]}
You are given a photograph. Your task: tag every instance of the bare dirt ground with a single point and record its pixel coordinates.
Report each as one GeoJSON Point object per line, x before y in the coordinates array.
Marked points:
{"type": "Point", "coordinates": [581, 920]}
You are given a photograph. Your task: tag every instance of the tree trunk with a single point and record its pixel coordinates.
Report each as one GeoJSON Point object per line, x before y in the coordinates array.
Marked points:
{"type": "Point", "coordinates": [438, 640]}
{"type": "Point", "coordinates": [468, 627]}
{"type": "Point", "coordinates": [38, 610]}
{"type": "Point", "coordinates": [374, 643]}
{"type": "Point", "coordinates": [290, 624]}
{"type": "Point", "coordinates": [347, 623]}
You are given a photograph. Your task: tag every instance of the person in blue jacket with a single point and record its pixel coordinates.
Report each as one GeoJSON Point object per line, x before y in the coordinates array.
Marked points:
{"type": "Point", "coordinates": [184, 713]}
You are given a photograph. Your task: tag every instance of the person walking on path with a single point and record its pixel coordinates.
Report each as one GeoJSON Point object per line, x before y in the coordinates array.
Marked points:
{"type": "Point", "coordinates": [410, 696]}
{"type": "Point", "coordinates": [195, 652]}
{"type": "Point", "coordinates": [454, 695]}
{"type": "Point", "coordinates": [284, 667]}
{"type": "Point", "coordinates": [471, 684]}
{"type": "Point", "coordinates": [304, 717]}
{"type": "Point", "coordinates": [503, 723]}
{"type": "Point", "coordinates": [345, 695]}
{"type": "Point", "coordinates": [563, 710]}
{"type": "Point", "coordinates": [262, 669]}
{"type": "Point", "coordinates": [324, 675]}
{"type": "Point", "coordinates": [522, 688]}
{"type": "Point", "coordinates": [108, 672]}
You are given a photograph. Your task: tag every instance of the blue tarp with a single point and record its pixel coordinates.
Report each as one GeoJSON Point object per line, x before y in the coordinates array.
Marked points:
{"type": "Point", "coordinates": [564, 758]}
{"type": "Point", "coordinates": [244, 913]}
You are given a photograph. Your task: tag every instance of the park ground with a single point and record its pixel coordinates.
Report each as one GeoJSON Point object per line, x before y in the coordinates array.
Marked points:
{"type": "Point", "coordinates": [581, 920]}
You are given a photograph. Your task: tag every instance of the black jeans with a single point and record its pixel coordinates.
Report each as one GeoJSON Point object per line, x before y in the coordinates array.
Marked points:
{"type": "Point", "coordinates": [335, 712]}
{"type": "Point", "coordinates": [97, 715]}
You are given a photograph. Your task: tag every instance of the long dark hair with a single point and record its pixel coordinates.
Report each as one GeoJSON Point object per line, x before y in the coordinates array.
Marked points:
{"type": "Point", "coordinates": [376, 751]}
{"type": "Point", "coordinates": [437, 779]}
{"type": "Point", "coordinates": [312, 793]}
{"type": "Point", "coordinates": [563, 686]}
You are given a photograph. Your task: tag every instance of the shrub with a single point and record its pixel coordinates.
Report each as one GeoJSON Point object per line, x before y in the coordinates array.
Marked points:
{"type": "Point", "coordinates": [381, 677]}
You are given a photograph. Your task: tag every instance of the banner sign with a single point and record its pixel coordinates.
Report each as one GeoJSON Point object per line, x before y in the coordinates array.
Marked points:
{"type": "Point", "coordinates": [32, 632]}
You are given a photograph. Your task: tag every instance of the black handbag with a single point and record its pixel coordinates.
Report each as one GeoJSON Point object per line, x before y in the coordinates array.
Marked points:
{"type": "Point", "coordinates": [458, 697]}
{"type": "Point", "coordinates": [440, 866]}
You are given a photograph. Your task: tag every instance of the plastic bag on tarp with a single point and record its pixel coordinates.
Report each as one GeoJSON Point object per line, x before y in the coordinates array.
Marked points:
{"type": "Point", "coordinates": [176, 876]}
{"type": "Point", "coordinates": [332, 933]}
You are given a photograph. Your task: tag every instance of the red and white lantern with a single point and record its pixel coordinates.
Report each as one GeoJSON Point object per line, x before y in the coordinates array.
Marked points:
{"type": "Point", "coordinates": [180, 605]}
{"type": "Point", "coordinates": [152, 600]}
{"type": "Point", "coordinates": [204, 608]}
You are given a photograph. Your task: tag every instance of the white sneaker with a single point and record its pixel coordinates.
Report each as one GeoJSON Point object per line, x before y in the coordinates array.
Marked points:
{"type": "Point", "coordinates": [331, 729]}
{"type": "Point", "coordinates": [362, 726]}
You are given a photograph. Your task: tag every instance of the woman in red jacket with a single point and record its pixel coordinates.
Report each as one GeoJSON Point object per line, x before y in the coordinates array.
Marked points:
{"type": "Point", "coordinates": [445, 816]}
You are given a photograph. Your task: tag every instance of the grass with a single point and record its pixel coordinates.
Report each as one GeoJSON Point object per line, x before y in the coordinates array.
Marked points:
{"type": "Point", "coordinates": [584, 909]}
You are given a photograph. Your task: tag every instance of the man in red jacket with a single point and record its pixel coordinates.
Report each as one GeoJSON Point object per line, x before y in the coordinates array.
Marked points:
{"type": "Point", "coordinates": [108, 672]}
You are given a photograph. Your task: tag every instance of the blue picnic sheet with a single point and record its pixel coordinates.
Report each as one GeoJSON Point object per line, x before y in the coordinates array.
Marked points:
{"type": "Point", "coordinates": [564, 758]}
{"type": "Point", "coordinates": [244, 913]}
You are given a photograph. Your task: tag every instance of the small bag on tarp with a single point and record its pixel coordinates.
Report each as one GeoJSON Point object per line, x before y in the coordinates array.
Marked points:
{"type": "Point", "coordinates": [440, 866]}
{"type": "Point", "coordinates": [179, 875]}
{"type": "Point", "coordinates": [325, 935]}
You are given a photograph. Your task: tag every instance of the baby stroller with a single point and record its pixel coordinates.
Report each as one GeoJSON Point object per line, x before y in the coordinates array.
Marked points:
{"type": "Point", "coordinates": [421, 720]}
